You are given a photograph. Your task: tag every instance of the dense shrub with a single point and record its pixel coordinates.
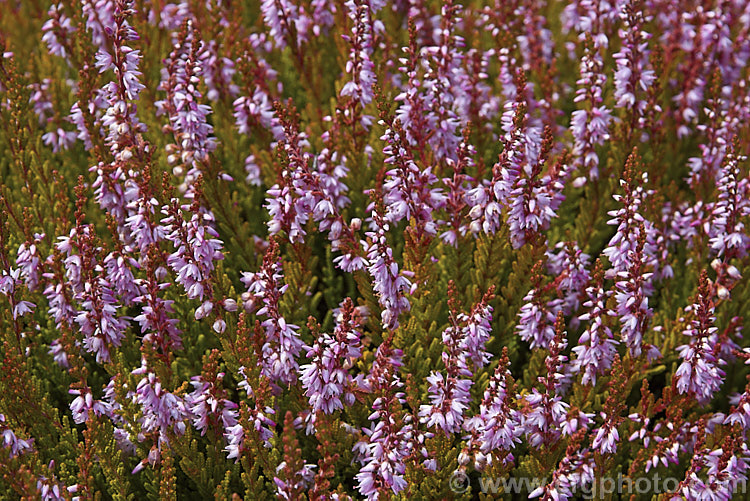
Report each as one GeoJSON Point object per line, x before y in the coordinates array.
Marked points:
{"type": "Point", "coordinates": [366, 249]}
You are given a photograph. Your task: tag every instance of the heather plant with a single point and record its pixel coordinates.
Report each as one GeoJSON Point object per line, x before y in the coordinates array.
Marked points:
{"type": "Point", "coordinates": [374, 249]}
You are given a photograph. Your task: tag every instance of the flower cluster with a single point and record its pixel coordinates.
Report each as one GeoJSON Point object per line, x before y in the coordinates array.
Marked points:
{"type": "Point", "coordinates": [365, 249]}
{"type": "Point", "coordinates": [326, 380]}
{"type": "Point", "coordinates": [11, 441]}
{"type": "Point", "coordinates": [187, 116]}
{"type": "Point", "coordinates": [282, 344]}
{"type": "Point", "coordinates": [464, 341]}
{"type": "Point", "coordinates": [698, 373]}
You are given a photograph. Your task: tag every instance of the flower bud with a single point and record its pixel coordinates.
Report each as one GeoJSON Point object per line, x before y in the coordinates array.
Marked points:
{"type": "Point", "coordinates": [220, 326]}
